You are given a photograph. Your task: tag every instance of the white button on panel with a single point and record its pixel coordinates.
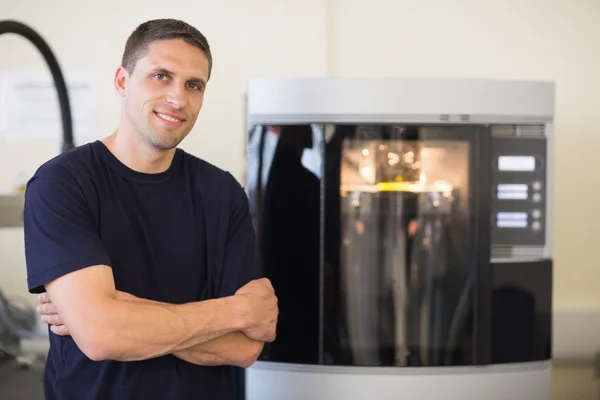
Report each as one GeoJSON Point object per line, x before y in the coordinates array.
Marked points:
{"type": "Point", "coordinates": [536, 197]}
{"type": "Point", "coordinates": [514, 216]}
{"type": "Point", "coordinates": [512, 195]}
{"type": "Point", "coordinates": [508, 223]}
{"type": "Point", "coordinates": [537, 185]}
{"type": "Point", "coordinates": [536, 214]}
{"type": "Point", "coordinates": [512, 187]}
{"type": "Point", "coordinates": [516, 163]}
{"type": "Point", "coordinates": [536, 225]}
{"type": "Point", "coordinates": [512, 191]}
{"type": "Point", "coordinates": [511, 219]}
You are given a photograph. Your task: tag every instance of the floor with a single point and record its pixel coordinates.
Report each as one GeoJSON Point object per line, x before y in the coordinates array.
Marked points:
{"type": "Point", "coordinates": [575, 382]}
{"type": "Point", "coordinates": [20, 383]}
{"type": "Point", "coordinates": [568, 383]}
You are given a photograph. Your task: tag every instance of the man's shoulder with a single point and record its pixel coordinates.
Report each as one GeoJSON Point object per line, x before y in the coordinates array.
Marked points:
{"type": "Point", "coordinates": [217, 178]}
{"type": "Point", "coordinates": [72, 177]}
{"type": "Point", "coordinates": [67, 165]}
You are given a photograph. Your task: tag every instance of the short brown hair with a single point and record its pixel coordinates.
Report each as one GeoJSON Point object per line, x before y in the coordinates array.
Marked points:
{"type": "Point", "coordinates": [162, 29]}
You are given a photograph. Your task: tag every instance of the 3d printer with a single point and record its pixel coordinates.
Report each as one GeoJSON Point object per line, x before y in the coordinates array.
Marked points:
{"type": "Point", "coordinates": [404, 224]}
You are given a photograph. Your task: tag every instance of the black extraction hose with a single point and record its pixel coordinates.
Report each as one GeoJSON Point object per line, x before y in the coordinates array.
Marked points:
{"type": "Point", "coordinates": [8, 26]}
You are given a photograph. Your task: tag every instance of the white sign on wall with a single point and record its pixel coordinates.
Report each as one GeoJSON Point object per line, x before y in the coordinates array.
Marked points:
{"type": "Point", "coordinates": [29, 106]}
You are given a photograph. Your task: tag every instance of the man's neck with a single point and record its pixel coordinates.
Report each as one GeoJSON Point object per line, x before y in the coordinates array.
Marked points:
{"type": "Point", "coordinates": [137, 155]}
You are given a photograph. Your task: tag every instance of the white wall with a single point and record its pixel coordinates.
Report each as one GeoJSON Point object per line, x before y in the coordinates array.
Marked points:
{"type": "Point", "coordinates": [264, 38]}
{"type": "Point", "coordinates": [530, 39]}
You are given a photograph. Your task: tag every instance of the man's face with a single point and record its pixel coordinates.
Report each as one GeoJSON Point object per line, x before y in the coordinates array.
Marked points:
{"type": "Point", "coordinates": [164, 94]}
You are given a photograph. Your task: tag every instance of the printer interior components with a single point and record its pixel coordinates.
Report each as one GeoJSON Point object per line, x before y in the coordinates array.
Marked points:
{"type": "Point", "coordinates": [402, 245]}
{"type": "Point", "coordinates": [404, 262]}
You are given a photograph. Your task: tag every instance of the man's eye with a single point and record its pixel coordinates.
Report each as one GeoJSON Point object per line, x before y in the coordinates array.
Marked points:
{"type": "Point", "coordinates": [160, 77]}
{"type": "Point", "coordinates": [194, 86]}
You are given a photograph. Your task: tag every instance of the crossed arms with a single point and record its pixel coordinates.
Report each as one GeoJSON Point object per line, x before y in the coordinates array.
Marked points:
{"type": "Point", "coordinates": [110, 325]}
{"type": "Point", "coordinates": [83, 302]}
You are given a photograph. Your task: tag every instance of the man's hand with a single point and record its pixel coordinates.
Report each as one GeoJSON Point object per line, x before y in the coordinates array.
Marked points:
{"type": "Point", "coordinates": [262, 310]}
{"type": "Point", "coordinates": [49, 314]}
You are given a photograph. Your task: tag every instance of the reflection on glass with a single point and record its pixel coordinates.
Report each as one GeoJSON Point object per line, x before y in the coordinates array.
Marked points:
{"type": "Point", "coordinates": [363, 232]}
{"type": "Point", "coordinates": [403, 263]}
{"type": "Point", "coordinates": [284, 190]}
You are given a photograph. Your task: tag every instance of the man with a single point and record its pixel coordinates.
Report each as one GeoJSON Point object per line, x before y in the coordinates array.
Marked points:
{"type": "Point", "coordinates": [145, 254]}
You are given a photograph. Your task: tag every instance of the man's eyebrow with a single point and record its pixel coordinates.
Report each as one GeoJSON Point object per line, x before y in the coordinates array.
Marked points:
{"type": "Point", "coordinates": [198, 80]}
{"type": "Point", "coordinates": [165, 71]}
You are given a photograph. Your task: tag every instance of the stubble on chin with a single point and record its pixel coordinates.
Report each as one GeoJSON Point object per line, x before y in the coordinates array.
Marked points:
{"type": "Point", "coordinates": [161, 143]}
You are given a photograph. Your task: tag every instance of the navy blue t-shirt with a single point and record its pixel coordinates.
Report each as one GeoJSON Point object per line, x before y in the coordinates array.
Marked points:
{"type": "Point", "coordinates": [179, 236]}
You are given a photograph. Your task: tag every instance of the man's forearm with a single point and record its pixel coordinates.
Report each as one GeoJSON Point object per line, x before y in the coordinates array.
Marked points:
{"type": "Point", "coordinates": [135, 330]}
{"type": "Point", "coordinates": [232, 348]}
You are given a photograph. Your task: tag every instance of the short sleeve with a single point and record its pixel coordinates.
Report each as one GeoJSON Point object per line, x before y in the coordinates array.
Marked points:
{"type": "Point", "coordinates": [59, 233]}
{"type": "Point", "coordinates": [241, 262]}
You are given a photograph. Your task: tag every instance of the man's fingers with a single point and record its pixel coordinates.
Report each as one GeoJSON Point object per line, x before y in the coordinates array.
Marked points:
{"type": "Point", "coordinates": [43, 298]}
{"type": "Point", "coordinates": [52, 319]}
{"type": "Point", "coordinates": [46, 308]}
{"type": "Point", "coordinates": [262, 284]}
{"type": "Point", "coordinates": [60, 330]}
{"type": "Point", "coordinates": [268, 283]}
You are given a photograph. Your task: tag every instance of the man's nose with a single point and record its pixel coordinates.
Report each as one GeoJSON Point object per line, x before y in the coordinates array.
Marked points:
{"type": "Point", "coordinates": [177, 97]}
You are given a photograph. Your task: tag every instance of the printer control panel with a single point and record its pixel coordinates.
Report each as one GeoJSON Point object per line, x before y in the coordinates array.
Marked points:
{"type": "Point", "coordinates": [519, 191]}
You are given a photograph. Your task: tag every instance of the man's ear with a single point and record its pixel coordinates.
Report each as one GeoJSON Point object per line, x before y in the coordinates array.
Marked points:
{"type": "Point", "coordinates": [121, 78]}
